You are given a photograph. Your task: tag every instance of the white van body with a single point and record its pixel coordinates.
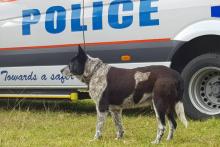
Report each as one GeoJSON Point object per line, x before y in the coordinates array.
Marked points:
{"type": "Point", "coordinates": [38, 38]}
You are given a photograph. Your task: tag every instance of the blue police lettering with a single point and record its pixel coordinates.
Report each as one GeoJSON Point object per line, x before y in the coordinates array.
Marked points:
{"type": "Point", "coordinates": [145, 13]}
{"type": "Point", "coordinates": [97, 16]}
{"type": "Point", "coordinates": [55, 21]}
{"type": "Point", "coordinates": [113, 14]}
{"type": "Point", "coordinates": [31, 16]}
{"type": "Point", "coordinates": [75, 20]}
{"type": "Point", "coordinates": [60, 21]}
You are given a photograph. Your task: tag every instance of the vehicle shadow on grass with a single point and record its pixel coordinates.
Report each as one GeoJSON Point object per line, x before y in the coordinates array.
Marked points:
{"type": "Point", "coordinates": [81, 106]}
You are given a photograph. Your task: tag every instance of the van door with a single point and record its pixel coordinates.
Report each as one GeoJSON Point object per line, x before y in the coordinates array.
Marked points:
{"type": "Point", "coordinates": [36, 39]}
{"type": "Point", "coordinates": [142, 29]}
{"type": "Point", "coordinates": [116, 29]}
{"type": "Point", "coordinates": [39, 32]}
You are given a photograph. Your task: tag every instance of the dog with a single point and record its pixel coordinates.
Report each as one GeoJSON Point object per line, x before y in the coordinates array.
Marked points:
{"type": "Point", "coordinates": [114, 89]}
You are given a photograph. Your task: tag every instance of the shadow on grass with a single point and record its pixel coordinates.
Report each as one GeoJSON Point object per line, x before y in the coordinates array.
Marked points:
{"type": "Point", "coordinates": [82, 106]}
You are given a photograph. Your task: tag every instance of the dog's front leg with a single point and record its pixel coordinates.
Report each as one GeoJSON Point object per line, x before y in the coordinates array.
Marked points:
{"type": "Point", "coordinates": [116, 115]}
{"type": "Point", "coordinates": [101, 117]}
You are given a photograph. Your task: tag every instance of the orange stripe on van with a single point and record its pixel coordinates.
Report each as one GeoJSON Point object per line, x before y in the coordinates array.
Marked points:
{"type": "Point", "coordinates": [2, 1]}
{"type": "Point", "coordinates": [87, 44]}
{"type": "Point", "coordinates": [128, 41]}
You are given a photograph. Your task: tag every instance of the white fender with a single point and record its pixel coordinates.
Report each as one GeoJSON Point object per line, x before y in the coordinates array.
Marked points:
{"type": "Point", "coordinates": [207, 27]}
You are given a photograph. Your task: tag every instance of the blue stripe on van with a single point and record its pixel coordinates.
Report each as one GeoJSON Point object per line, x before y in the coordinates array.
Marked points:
{"type": "Point", "coordinates": [215, 11]}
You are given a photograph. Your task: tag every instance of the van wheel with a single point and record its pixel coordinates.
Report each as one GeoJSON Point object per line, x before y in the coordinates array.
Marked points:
{"type": "Point", "coordinates": [202, 86]}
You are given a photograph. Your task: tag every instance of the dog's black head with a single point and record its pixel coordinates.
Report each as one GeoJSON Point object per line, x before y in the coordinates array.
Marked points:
{"type": "Point", "coordinates": [77, 64]}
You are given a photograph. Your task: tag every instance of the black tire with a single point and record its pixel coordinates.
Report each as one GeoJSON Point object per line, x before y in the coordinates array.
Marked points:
{"type": "Point", "coordinates": [202, 99]}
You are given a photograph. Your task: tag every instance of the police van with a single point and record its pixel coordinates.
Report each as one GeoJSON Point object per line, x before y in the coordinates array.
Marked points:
{"type": "Point", "coordinates": [38, 38]}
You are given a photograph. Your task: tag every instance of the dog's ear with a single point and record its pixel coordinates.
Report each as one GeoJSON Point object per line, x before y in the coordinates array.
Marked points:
{"type": "Point", "coordinates": [81, 54]}
{"type": "Point", "coordinates": [81, 51]}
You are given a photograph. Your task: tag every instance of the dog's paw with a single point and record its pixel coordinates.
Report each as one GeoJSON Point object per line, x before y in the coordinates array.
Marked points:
{"type": "Point", "coordinates": [97, 136]}
{"type": "Point", "coordinates": [155, 142]}
{"type": "Point", "coordinates": [119, 135]}
{"type": "Point", "coordinates": [169, 138]}
{"type": "Point", "coordinates": [118, 138]}
{"type": "Point", "coordinates": [93, 140]}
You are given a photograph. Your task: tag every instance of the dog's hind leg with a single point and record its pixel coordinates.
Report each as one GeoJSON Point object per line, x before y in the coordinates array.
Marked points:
{"type": "Point", "coordinates": [172, 124]}
{"type": "Point", "coordinates": [101, 117]}
{"type": "Point", "coordinates": [117, 118]}
{"type": "Point", "coordinates": [160, 115]}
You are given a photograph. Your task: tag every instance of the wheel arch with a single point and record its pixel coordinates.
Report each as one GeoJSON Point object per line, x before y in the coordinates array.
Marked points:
{"type": "Point", "coordinates": [193, 48]}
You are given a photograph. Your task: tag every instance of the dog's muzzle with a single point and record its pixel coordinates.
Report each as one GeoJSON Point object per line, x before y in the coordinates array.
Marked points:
{"type": "Point", "coordinates": [66, 72]}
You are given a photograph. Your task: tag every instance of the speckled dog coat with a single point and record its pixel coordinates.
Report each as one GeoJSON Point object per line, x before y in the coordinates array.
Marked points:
{"type": "Point", "coordinates": [114, 89]}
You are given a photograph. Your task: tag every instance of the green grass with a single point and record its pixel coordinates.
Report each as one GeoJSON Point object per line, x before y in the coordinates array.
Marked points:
{"type": "Point", "coordinates": [63, 124]}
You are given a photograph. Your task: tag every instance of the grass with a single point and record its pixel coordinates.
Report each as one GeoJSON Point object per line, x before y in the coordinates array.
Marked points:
{"type": "Point", "coordinates": [64, 124]}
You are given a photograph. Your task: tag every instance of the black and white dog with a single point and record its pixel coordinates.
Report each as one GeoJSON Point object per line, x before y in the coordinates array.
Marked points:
{"type": "Point", "coordinates": [114, 89]}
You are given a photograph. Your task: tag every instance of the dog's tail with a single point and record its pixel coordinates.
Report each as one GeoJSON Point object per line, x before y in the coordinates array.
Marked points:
{"type": "Point", "coordinates": [180, 113]}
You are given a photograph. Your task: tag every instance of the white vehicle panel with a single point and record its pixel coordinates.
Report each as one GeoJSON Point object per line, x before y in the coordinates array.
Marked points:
{"type": "Point", "coordinates": [11, 25]}
{"type": "Point", "coordinates": [199, 29]}
{"type": "Point", "coordinates": [50, 76]}
{"type": "Point", "coordinates": [173, 16]}
{"type": "Point", "coordinates": [180, 20]}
